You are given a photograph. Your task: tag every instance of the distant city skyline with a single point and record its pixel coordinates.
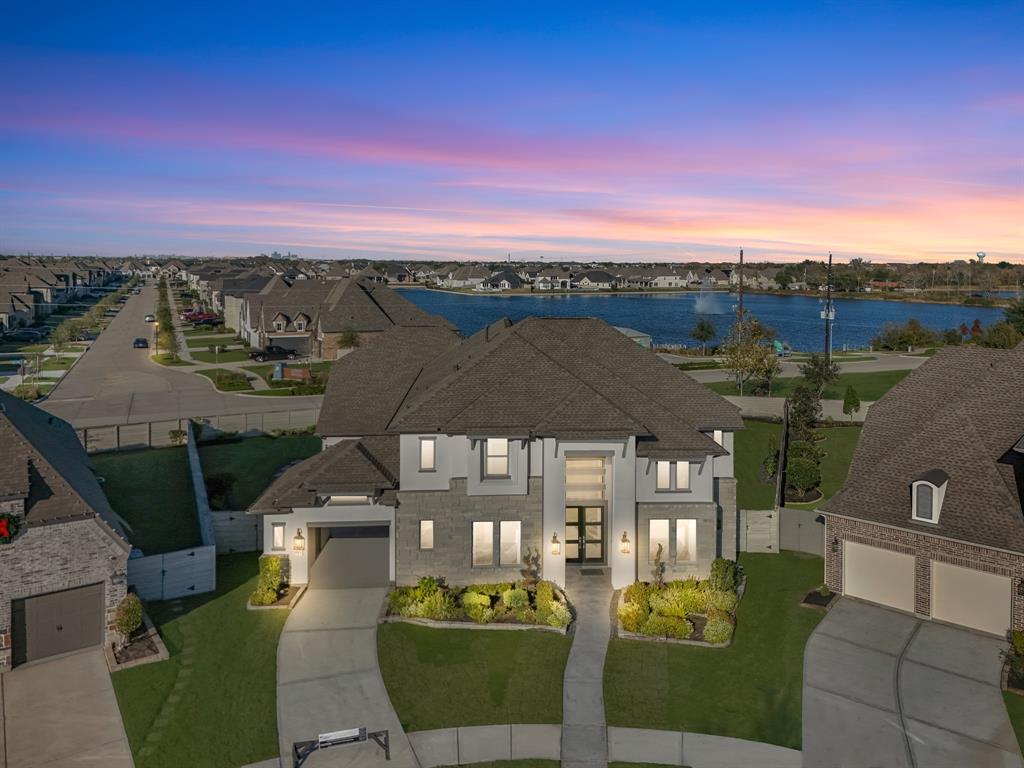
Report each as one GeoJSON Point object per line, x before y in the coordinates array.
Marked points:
{"type": "Point", "coordinates": [459, 132]}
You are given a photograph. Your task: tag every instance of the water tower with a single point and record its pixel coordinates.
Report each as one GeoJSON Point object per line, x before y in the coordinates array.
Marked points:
{"type": "Point", "coordinates": [981, 257]}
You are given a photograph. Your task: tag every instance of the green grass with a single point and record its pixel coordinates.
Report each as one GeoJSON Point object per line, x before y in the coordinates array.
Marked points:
{"type": "Point", "coordinates": [751, 447]}
{"type": "Point", "coordinates": [165, 359]}
{"type": "Point", "coordinates": [222, 711]}
{"type": "Point", "coordinates": [534, 763]}
{"type": "Point", "coordinates": [204, 330]}
{"type": "Point", "coordinates": [226, 380]}
{"type": "Point", "coordinates": [202, 342]}
{"type": "Point", "coordinates": [750, 690]}
{"type": "Point", "coordinates": [1015, 709]}
{"type": "Point", "coordinates": [57, 363]}
{"type": "Point", "coordinates": [837, 449]}
{"type": "Point", "coordinates": [253, 462]}
{"type": "Point", "coordinates": [152, 491]}
{"type": "Point", "coordinates": [924, 353]}
{"type": "Point", "coordinates": [442, 678]}
{"type": "Point", "coordinates": [869, 386]}
{"type": "Point", "coordinates": [277, 392]}
{"type": "Point", "coordinates": [266, 370]}
{"type": "Point", "coordinates": [25, 349]}
{"type": "Point", "coordinates": [230, 356]}
{"type": "Point", "coordinates": [702, 365]}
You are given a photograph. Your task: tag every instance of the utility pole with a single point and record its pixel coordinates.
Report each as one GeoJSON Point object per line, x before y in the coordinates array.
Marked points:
{"type": "Point", "coordinates": [739, 312]}
{"type": "Point", "coordinates": [828, 314]}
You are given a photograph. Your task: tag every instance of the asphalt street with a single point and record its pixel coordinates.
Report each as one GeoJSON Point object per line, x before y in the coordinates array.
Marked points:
{"type": "Point", "coordinates": [116, 384]}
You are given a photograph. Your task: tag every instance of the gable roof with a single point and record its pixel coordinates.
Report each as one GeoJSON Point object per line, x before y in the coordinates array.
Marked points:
{"type": "Point", "coordinates": [960, 413]}
{"type": "Point", "coordinates": [44, 463]}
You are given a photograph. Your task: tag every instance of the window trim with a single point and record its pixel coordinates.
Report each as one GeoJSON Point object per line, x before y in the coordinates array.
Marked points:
{"type": "Point", "coordinates": [274, 528]}
{"type": "Point", "coordinates": [433, 454]}
{"type": "Point", "coordinates": [472, 543]}
{"type": "Point", "coordinates": [429, 522]}
{"type": "Point", "coordinates": [485, 455]}
{"type": "Point", "coordinates": [938, 493]}
{"type": "Point", "coordinates": [673, 476]}
{"type": "Point", "coordinates": [501, 542]}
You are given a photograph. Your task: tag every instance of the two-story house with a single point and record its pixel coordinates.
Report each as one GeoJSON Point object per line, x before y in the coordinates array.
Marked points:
{"type": "Point", "coordinates": [454, 457]}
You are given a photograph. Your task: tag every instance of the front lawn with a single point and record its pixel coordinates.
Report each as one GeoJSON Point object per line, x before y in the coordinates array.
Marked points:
{"type": "Point", "coordinates": [750, 449]}
{"type": "Point", "coordinates": [242, 469]}
{"type": "Point", "coordinates": [202, 342]}
{"type": "Point", "coordinates": [213, 704]}
{"type": "Point", "coordinates": [152, 490]}
{"type": "Point", "coordinates": [750, 690]}
{"type": "Point", "coordinates": [869, 386]}
{"type": "Point", "coordinates": [1015, 709]}
{"type": "Point", "coordinates": [57, 363]}
{"type": "Point", "coordinates": [443, 678]}
{"type": "Point", "coordinates": [226, 380]}
{"type": "Point", "coordinates": [837, 449]}
{"type": "Point", "coordinates": [230, 356]}
{"type": "Point", "coordinates": [166, 359]}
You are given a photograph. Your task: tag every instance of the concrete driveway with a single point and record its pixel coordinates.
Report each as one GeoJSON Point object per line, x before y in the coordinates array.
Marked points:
{"type": "Point", "coordinates": [882, 688]}
{"type": "Point", "coordinates": [63, 714]}
{"type": "Point", "coordinates": [328, 679]}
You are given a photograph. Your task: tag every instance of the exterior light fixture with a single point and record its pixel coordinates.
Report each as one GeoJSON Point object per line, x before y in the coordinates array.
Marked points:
{"type": "Point", "coordinates": [624, 544]}
{"type": "Point", "coordinates": [299, 543]}
{"type": "Point", "coordinates": [835, 545]}
{"type": "Point", "coordinates": [556, 545]}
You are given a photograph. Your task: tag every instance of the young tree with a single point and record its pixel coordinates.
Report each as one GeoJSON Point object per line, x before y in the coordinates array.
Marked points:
{"type": "Point", "coordinates": [804, 412]}
{"type": "Point", "coordinates": [851, 402]}
{"type": "Point", "coordinates": [349, 340]}
{"type": "Point", "coordinates": [745, 349]}
{"type": "Point", "coordinates": [976, 329]}
{"type": "Point", "coordinates": [768, 368]}
{"type": "Point", "coordinates": [819, 372]}
{"type": "Point", "coordinates": [703, 331]}
{"type": "Point", "coordinates": [1015, 315]}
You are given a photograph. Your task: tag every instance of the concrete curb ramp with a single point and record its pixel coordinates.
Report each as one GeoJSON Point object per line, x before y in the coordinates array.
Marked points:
{"type": "Point", "coordinates": [485, 743]}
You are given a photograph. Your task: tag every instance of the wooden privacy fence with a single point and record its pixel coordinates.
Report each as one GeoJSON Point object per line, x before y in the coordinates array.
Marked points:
{"type": "Point", "coordinates": [183, 573]}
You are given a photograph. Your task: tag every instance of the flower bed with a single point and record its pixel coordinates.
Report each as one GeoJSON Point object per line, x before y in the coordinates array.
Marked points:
{"type": "Point", "coordinates": [688, 610]}
{"type": "Point", "coordinates": [1013, 664]}
{"type": "Point", "coordinates": [524, 603]}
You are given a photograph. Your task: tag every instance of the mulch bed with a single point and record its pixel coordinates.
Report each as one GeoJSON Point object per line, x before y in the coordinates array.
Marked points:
{"type": "Point", "coordinates": [813, 599]}
{"type": "Point", "coordinates": [796, 497]}
{"type": "Point", "coordinates": [286, 598]}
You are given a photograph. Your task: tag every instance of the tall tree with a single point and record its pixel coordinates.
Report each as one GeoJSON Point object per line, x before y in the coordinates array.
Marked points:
{"type": "Point", "coordinates": [851, 402]}
{"type": "Point", "coordinates": [819, 372]}
{"type": "Point", "coordinates": [745, 349]}
{"type": "Point", "coordinates": [703, 331]}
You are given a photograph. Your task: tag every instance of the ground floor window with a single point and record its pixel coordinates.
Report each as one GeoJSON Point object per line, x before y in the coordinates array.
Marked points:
{"type": "Point", "coordinates": [426, 534]}
{"type": "Point", "coordinates": [682, 532]}
{"type": "Point", "coordinates": [483, 543]}
{"type": "Point", "coordinates": [658, 537]}
{"type": "Point", "coordinates": [510, 531]}
{"type": "Point", "coordinates": [686, 541]}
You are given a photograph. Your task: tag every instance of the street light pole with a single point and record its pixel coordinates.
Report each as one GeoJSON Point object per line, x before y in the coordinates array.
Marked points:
{"type": "Point", "coordinates": [156, 325]}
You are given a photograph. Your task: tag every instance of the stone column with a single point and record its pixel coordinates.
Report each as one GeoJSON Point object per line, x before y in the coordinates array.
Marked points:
{"type": "Point", "coordinates": [730, 516]}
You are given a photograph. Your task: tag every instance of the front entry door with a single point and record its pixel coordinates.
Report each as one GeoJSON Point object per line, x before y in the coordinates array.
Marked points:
{"type": "Point", "coordinates": [584, 534]}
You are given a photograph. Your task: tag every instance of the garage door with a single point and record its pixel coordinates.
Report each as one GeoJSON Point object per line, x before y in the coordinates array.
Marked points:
{"type": "Point", "coordinates": [58, 622]}
{"type": "Point", "coordinates": [878, 575]}
{"type": "Point", "coordinates": [355, 556]}
{"type": "Point", "coordinates": [972, 598]}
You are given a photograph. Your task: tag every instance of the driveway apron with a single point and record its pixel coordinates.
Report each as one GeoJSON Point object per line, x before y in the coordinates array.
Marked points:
{"type": "Point", "coordinates": [883, 688]}
{"type": "Point", "coordinates": [328, 679]}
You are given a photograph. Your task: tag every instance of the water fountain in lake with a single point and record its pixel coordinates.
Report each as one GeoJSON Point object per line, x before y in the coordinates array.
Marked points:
{"type": "Point", "coordinates": [706, 303]}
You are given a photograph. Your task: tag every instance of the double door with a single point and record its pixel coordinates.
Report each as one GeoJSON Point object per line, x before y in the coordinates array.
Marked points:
{"type": "Point", "coordinates": [584, 534]}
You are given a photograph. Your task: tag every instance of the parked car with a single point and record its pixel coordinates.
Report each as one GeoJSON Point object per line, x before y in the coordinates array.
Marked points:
{"type": "Point", "coordinates": [272, 353]}
{"type": "Point", "coordinates": [150, 319]}
{"type": "Point", "coordinates": [136, 291]}
{"type": "Point", "coordinates": [25, 335]}
{"type": "Point", "coordinates": [86, 336]}
{"type": "Point", "coordinates": [140, 344]}
{"type": "Point", "coordinates": [206, 322]}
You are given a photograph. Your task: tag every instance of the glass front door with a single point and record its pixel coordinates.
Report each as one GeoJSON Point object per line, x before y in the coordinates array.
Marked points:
{"type": "Point", "coordinates": [584, 534]}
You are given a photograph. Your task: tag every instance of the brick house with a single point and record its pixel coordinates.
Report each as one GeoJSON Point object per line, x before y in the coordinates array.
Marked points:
{"type": "Point", "coordinates": [930, 520]}
{"type": "Point", "coordinates": [453, 457]}
{"type": "Point", "coordinates": [64, 572]}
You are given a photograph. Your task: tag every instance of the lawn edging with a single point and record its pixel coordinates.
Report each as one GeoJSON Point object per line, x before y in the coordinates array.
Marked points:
{"type": "Point", "coordinates": [153, 635]}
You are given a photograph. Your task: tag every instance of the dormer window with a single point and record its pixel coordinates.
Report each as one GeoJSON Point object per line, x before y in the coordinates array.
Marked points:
{"type": "Point", "coordinates": [300, 325]}
{"type": "Point", "coordinates": [278, 325]}
{"type": "Point", "coordinates": [927, 494]}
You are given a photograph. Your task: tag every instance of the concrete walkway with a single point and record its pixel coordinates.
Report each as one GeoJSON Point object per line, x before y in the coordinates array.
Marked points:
{"type": "Point", "coordinates": [328, 679]}
{"type": "Point", "coordinates": [63, 714]}
{"type": "Point", "coordinates": [584, 732]}
{"type": "Point", "coordinates": [883, 688]}
{"type": "Point", "coordinates": [486, 743]}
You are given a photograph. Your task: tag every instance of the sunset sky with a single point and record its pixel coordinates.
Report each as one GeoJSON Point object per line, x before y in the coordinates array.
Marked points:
{"type": "Point", "coordinates": [633, 131]}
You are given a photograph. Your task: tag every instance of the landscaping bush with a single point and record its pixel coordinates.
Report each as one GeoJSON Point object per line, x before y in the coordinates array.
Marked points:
{"type": "Point", "coordinates": [268, 586]}
{"type": "Point", "coordinates": [515, 599]}
{"type": "Point", "coordinates": [439, 606]}
{"type": "Point", "coordinates": [679, 602]}
{"type": "Point", "coordinates": [724, 575]}
{"type": "Point", "coordinates": [717, 631]}
{"type": "Point", "coordinates": [803, 449]}
{"type": "Point", "coordinates": [721, 600]}
{"type": "Point", "coordinates": [494, 590]}
{"type": "Point", "coordinates": [129, 615]}
{"type": "Point", "coordinates": [639, 593]}
{"type": "Point", "coordinates": [667, 626]}
{"type": "Point", "coordinates": [633, 617]}
{"type": "Point", "coordinates": [803, 474]}
{"type": "Point", "coordinates": [478, 607]}
{"type": "Point", "coordinates": [558, 615]}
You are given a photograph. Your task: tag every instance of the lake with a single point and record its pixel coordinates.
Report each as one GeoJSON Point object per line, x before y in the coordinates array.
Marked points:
{"type": "Point", "coordinates": [669, 317]}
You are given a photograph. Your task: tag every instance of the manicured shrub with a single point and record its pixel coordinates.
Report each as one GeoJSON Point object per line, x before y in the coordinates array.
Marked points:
{"type": "Point", "coordinates": [439, 606]}
{"type": "Point", "coordinates": [638, 593]}
{"type": "Point", "coordinates": [717, 631]}
{"type": "Point", "coordinates": [426, 586]}
{"type": "Point", "coordinates": [268, 584]}
{"type": "Point", "coordinates": [558, 615]}
{"type": "Point", "coordinates": [803, 474]}
{"type": "Point", "coordinates": [262, 596]}
{"type": "Point", "coordinates": [632, 616]}
{"type": "Point", "coordinates": [721, 600]}
{"type": "Point", "coordinates": [803, 449]}
{"type": "Point", "coordinates": [679, 602]}
{"type": "Point", "coordinates": [515, 599]}
{"type": "Point", "coordinates": [129, 615]}
{"type": "Point", "coordinates": [667, 626]}
{"type": "Point", "coordinates": [478, 607]}
{"type": "Point", "coordinates": [400, 601]}
{"type": "Point", "coordinates": [525, 615]}
{"type": "Point", "coordinates": [494, 590]}
{"type": "Point", "coordinates": [724, 575]}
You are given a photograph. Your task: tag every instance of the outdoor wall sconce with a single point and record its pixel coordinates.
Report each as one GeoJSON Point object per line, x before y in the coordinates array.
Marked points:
{"type": "Point", "coordinates": [835, 545]}
{"type": "Point", "coordinates": [556, 545]}
{"type": "Point", "coordinates": [299, 543]}
{"type": "Point", "coordinates": [624, 544]}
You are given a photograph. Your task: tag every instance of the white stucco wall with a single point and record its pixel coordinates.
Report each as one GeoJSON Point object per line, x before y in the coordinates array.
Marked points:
{"type": "Point", "coordinates": [340, 514]}
{"type": "Point", "coordinates": [702, 486]}
{"type": "Point", "coordinates": [723, 465]}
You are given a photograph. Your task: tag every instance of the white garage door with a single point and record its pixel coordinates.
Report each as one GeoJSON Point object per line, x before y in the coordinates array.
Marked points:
{"type": "Point", "coordinates": [878, 575]}
{"type": "Point", "coordinates": [972, 598]}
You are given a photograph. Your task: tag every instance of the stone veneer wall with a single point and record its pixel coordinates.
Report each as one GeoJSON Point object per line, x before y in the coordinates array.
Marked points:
{"type": "Point", "coordinates": [706, 515]}
{"type": "Point", "coordinates": [925, 549]}
{"type": "Point", "coordinates": [51, 558]}
{"type": "Point", "coordinates": [453, 513]}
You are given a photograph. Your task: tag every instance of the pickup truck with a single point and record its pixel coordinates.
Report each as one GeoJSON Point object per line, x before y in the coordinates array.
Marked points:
{"type": "Point", "coordinates": [272, 353]}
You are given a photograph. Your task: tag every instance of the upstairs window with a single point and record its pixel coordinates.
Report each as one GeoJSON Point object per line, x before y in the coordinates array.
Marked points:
{"type": "Point", "coordinates": [278, 325]}
{"type": "Point", "coordinates": [924, 502]}
{"type": "Point", "coordinates": [926, 496]}
{"type": "Point", "coordinates": [718, 437]}
{"type": "Point", "coordinates": [428, 454]}
{"type": "Point", "coordinates": [300, 325]}
{"type": "Point", "coordinates": [496, 457]}
{"type": "Point", "coordinates": [672, 475]}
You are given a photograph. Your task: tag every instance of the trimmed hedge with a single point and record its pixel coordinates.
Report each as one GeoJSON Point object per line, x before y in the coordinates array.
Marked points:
{"type": "Point", "coordinates": [268, 585]}
{"type": "Point", "coordinates": [481, 603]}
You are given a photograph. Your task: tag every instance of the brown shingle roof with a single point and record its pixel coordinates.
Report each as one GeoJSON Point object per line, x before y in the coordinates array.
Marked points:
{"type": "Point", "coordinates": [961, 413]}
